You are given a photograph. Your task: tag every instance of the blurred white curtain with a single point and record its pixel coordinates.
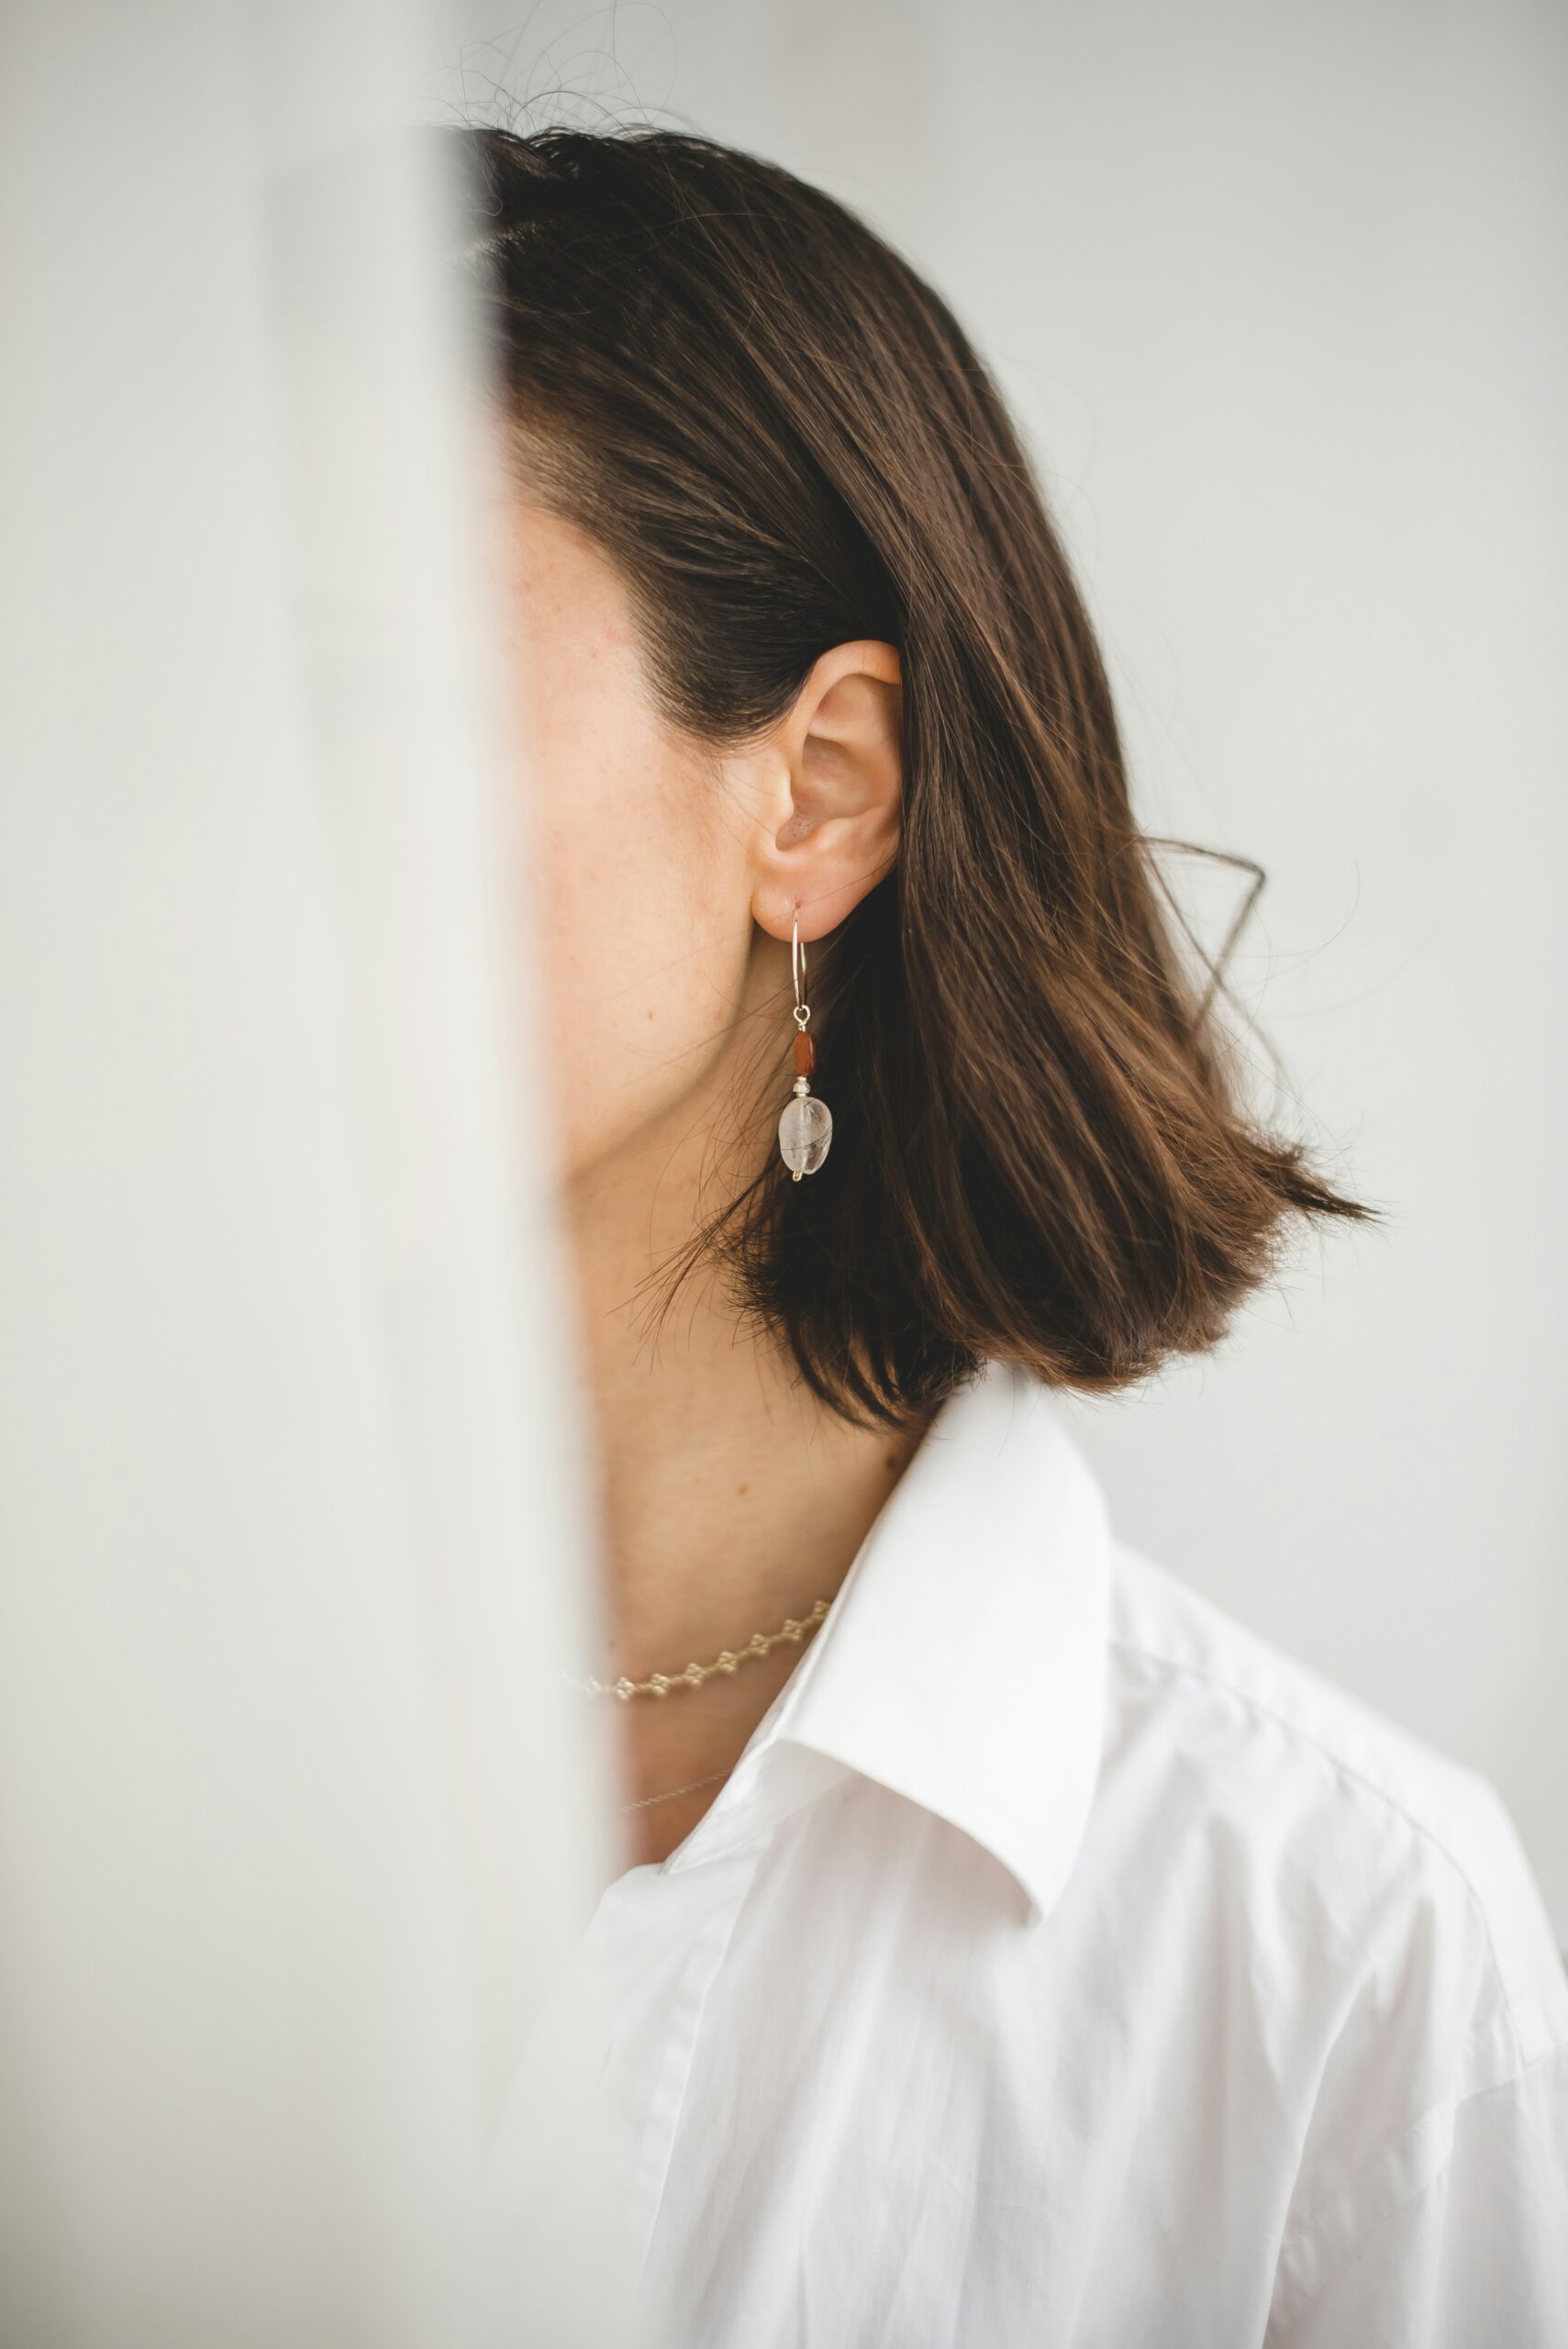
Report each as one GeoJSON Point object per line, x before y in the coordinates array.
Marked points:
{"type": "Point", "coordinates": [298, 1833]}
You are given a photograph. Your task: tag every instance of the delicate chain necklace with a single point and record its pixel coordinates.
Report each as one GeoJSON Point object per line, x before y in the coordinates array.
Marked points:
{"type": "Point", "coordinates": [661, 1683]}
{"type": "Point", "coordinates": [669, 1796]}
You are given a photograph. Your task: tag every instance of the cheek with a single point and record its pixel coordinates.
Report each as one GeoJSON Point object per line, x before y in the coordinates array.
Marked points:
{"type": "Point", "coordinates": [641, 917]}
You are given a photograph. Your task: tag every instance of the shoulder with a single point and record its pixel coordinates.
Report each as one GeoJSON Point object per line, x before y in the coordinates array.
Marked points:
{"type": "Point", "coordinates": [1393, 1839]}
{"type": "Point", "coordinates": [1372, 1896]}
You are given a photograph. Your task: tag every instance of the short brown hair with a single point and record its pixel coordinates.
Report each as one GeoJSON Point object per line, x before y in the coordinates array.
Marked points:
{"type": "Point", "coordinates": [783, 438]}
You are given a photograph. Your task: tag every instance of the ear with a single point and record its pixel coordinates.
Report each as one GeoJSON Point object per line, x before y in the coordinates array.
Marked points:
{"type": "Point", "coordinates": [835, 793]}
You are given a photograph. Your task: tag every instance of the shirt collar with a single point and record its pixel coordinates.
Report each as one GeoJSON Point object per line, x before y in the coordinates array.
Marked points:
{"type": "Point", "coordinates": [963, 1662]}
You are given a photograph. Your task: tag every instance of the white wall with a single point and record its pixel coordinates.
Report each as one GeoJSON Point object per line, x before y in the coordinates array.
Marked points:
{"type": "Point", "coordinates": [1278, 294]}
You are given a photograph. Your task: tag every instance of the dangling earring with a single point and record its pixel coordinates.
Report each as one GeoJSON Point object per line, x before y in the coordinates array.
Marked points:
{"type": "Point", "coordinates": [805, 1128]}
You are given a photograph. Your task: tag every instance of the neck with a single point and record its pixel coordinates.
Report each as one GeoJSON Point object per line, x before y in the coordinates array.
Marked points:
{"type": "Point", "coordinates": [730, 1499]}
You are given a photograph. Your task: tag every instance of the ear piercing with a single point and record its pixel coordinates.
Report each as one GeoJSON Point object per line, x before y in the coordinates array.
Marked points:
{"type": "Point", "coordinates": [805, 1129]}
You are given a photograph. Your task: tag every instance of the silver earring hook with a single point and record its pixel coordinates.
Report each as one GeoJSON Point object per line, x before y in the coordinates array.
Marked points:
{"type": "Point", "coordinates": [798, 974]}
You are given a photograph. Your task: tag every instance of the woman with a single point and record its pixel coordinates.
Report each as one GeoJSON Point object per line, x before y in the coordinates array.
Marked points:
{"type": "Point", "coordinates": [1012, 1949]}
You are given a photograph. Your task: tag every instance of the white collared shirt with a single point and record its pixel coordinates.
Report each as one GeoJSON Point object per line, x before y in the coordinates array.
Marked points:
{"type": "Point", "coordinates": [1061, 1966]}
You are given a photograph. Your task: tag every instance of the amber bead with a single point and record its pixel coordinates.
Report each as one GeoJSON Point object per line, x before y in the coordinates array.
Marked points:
{"type": "Point", "coordinates": [805, 1054]}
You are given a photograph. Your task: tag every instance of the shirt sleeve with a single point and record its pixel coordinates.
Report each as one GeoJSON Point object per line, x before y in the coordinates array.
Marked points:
{"type": "Point", "coordinates": [1432, 2211]}
{"type": "Point", "coordinates": [1476, 2257]}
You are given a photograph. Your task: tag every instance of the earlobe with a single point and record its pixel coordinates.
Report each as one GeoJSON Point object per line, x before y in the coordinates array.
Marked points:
{"type": "Point", "coordinates": [841, 751]}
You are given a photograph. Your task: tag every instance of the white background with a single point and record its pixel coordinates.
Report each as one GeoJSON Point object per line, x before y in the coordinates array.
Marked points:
{"type": "Point", "coordinates": [1277, 294]}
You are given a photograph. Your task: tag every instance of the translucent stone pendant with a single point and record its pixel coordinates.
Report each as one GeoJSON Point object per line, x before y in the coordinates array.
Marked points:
{"type": "Point", "coordinates": [805, 1129]}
